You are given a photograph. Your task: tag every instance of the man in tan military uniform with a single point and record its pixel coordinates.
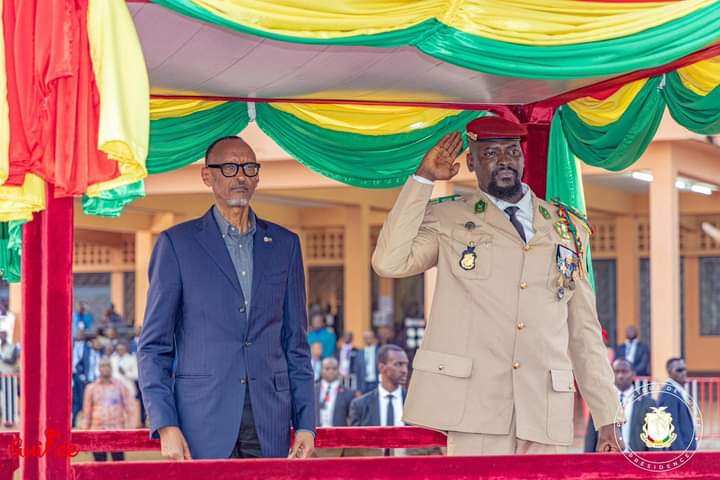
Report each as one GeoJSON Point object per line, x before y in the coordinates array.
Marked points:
{"type": "Point", "coordinates": [513, 315]}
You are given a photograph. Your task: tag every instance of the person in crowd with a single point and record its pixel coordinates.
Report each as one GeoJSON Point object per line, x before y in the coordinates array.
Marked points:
{"type": "Point", "coordinates": [319, 332]}
{"type": "Point", "coordinates": [107, 405]}
{"type": "Point", "coordinates": [383, 406]}
{"type": "Point", "coordinates": [125, 367]}
{"type": "Point", "coordinates": [365, 367]}
{"type": "Point", "coordinates": [113, 317]}
{"type": "Point", "coordinates": [635, 351]}
{"type": "Point", "coordinates": [135, 339]}
{"type": "Point", "coordinates": [333, 400]}
{"type": "Point", "coordinates": [635, 406]}
{"type": "Point", "coordinates": [675, 400]}
{"type": "Point", "coordinates": [347, 355]}
{"type": "Point", "coordinates": [82, 317]}
{"type": "Point", "coordinates": [316, 349]}
{"type": "Point", "coordinates": [109, 340]}
{"type": "Point", "coordinates": [504, 257]}
{"type": "Point", "coordinates": [9, 353]}
{"type": "Point", "coordinates": [224, 360]}
{"type": "Point", "coordinates": [80, 365]}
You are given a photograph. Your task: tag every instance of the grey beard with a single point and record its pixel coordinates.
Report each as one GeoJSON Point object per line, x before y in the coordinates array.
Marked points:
{"type": "Point", "coordinates": [242, 202]}
{"type": "Point", "coordinates": [505, 193]}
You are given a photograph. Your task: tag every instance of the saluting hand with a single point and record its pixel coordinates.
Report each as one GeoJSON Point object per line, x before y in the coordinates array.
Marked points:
{"type": "Point", "coordinates": [439, 163]}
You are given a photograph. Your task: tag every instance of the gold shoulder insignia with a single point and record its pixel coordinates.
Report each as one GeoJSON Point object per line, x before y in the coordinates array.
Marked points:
{"type": "Point", "coordinates": [449, 198]}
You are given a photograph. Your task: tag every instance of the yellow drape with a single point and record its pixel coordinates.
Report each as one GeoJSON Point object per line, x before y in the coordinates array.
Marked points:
{"type": "Point", "coordinates": [529, 22]}
{"type": "Point", "coordinates": [701, 77]}
{"type": "Point", "coordinates": [120, 74]}
{"type": "Point", "coordinates": [367, 119]}
{"type": "Point", "coordinates": [160, 108]}
{"type": "Point", "coordinates": [19, 203]}
{"type": "Point", "coordinates": [599, 113]}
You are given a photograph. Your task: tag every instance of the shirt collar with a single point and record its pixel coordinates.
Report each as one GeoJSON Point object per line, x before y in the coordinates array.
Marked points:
{"type": "Point", "coordinates": [324, 384]}
{"type": "Point", "coordinates": [626, 392]}
{"type": "Point", "coordinates": [384, 393]}
{"type": "Point", "coordinates": [225, 227]}
{"type": "Point", "coordinates": [524, 204]}
{"type": "Point", "coordinates": [676, 385]}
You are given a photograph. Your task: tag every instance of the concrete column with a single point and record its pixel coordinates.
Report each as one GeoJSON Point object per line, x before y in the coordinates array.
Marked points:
{"type": "Point", "coordinates": [664, 264]}
{"type": "Point", "coordinates": [143, 250]}
{"type": "Point", "coordinates": [628, 275]}
{"type": "Point", "coordinates": [357, 271]}
{"type": "Point", "coordinates": [440, 189]}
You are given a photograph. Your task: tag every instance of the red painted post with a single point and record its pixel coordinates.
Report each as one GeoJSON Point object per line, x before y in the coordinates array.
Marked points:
{"type": "Point", "coordinates": [30, 346]}
{"type": "Point", "coordinates": [46, 342]}
{"type": "Point", "coordinates": [56, 338]}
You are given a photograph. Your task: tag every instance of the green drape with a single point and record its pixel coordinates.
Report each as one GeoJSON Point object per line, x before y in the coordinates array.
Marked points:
{"type": "Point", "coordinates": [382, 161]}
{"type": "Point", "coordinates": [564, 180]}
{"type": "Point", "coordinates": [110, 203]}
{"type": "Point", "coordinates": [10, 250]}
{"type": "Point", "coordinates": [646, 49]}
{"type": "Point", "coordinates": [620, 144]}
{"type": "Point", "coordinates": [180, 141]}
{"type": "Point", "coordinates": [694, 112]}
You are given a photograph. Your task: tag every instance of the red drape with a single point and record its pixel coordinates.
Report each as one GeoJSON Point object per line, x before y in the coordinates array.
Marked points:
{"type": "Point", "coordinates": [52, 96]}
{"type": "Point", "coordinates": [537, 120]}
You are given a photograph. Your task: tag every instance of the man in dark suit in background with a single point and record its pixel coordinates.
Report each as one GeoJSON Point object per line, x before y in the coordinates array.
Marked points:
{"type": "Point", "coordinates": [675, 398]}
{"type": "Point", "coordinates": [635, 410]}
{"type": "Point", "coordinates": [383, 406]}
{"type": "Point", "coordinates": [332, 404]}
{"type": "Point", "coordinates": [365, 366]}
{"type": "Point", "coordinates": [224, 358]}
{"type": "Point", "coordinates": [635, 351]}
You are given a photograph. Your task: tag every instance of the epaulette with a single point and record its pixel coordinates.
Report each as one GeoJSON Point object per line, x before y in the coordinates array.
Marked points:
{"type": "Point", "coordinates": [582, 219]}
{"type": "Point", "coordinates": [449, 198]}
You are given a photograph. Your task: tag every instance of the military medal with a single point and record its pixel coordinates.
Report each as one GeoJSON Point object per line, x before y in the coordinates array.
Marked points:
{"type": "Point", "coordinates": [562, 229]}
{"type": "Point", "coordinates": [467, 260]}
{"type": "Point", "coordinates": [567, 264]}
{"type": "Point", "coordinates": [544, 212]}
{"type": "Point", "coordinates": [480, 206]}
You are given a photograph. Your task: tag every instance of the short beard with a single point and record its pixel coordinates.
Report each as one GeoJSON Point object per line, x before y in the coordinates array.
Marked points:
{"type": "Point", "coordinates": [504, 193]}
{"type": "Point", "coordinates": [241, 202]}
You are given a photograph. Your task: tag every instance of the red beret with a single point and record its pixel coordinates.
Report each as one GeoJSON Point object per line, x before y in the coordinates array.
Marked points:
{"type": "Point", "coordinates": [490, 127]}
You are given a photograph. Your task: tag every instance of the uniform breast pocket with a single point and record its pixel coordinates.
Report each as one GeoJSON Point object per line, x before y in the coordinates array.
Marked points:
{"type": "Point", "coordinates": [473, 254]}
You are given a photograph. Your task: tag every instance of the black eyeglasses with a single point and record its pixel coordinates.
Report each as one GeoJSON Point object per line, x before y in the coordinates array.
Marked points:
{"type": "Point", "coordinates": [229, 170]}
{"type": "Point", "coordinates": [680, 370]}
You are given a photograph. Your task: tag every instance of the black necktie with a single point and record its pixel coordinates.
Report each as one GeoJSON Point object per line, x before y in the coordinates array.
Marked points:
{"type": "Point", "coordinates": [390, 417]}
{"type": "Point", "coordinates": [512, 213]}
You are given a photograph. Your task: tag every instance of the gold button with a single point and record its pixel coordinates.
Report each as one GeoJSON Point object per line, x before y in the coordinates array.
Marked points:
{"type": "Point", "coordinates": [523, 285]}
{"type": "Point", "coordinates": [526, 247]}
{"type": "Point", "coordinates": [516, 365]}
{"type": "Point", "coordinates": [441, 367]}
{"type": "Point", "coordinates": [520, 326]}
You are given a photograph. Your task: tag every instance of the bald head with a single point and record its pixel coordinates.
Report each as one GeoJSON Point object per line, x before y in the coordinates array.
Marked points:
{"type": "Point", "coordinates": [329, 371]}
{"type": "Point", "coordinates": [225, 145]}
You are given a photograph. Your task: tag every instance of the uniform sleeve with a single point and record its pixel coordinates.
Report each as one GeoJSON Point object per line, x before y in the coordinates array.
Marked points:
{"type": "Point", "coordinates": [408, 243]}
{"type": "Point", "coordinates": [589, 355]}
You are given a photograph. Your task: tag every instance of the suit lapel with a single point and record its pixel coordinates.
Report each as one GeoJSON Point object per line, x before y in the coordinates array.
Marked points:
{"type": "Point", "coordinates": [375, 410]}
{"type": "Point", "coordinates": [496, 218]}
{"type": "Point", "coordinates": [211, 241]}
{"type": "Point", "coordinates": [262, 256]}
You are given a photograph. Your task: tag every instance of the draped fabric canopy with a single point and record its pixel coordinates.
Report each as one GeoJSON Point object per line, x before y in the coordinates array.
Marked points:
{"type": "Point", "coordinates": [354, 90]}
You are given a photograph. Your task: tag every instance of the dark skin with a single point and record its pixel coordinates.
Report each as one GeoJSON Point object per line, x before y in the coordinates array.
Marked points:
{"type": "Point", "coordinates": [631, 333]}
{"type": "Point", "coordinates": [492, 159]}
{"type": "Point", "coordinates": [232, 195]}
{"type": "Point", "coordinates": [624, 374]}
{"type": "Point", "coordinates": [678, 371]}
{"type": "Point", "coordinates": [394, 371]}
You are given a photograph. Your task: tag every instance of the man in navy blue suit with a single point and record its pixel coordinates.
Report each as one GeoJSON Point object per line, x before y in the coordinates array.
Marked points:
{"type": "Point", "coordinates": [224, 359]}
{"type": "Point", "coordinates": [675, 399]}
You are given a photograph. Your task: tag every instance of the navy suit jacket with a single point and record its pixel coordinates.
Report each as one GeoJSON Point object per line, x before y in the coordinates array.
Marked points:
{"type": "Point", "coordinates": [681, 417]}
{"type": "Point", "coordinates": [641, 361]}
{"type": "Point", "coordinates": [200, 349]}
{"type": "Point", "coordinates": [359, 369]}
{"type": "Point", "coordinates": [365, 410]}
{"type": "Point", "coordinates": [637, 421]}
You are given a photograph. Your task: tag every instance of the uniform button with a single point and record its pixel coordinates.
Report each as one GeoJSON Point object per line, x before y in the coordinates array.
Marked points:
{"type": "Point", "coordinates": [441, 367]}
{"type": "Point", "coordinates": [247, 344]}
{"type": "Point", "coordinates": [526, 247]}
{"type": "Point", "coordinates": [523, 285]}
{"type": "Point", "coordinates": [516, 365]}
{"type": "Point", "coordinates": [243, 380]}
{"type": "Point", "coordinates": [242, 309]}
{"type": "Point", "coordinates": [520, 326]}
